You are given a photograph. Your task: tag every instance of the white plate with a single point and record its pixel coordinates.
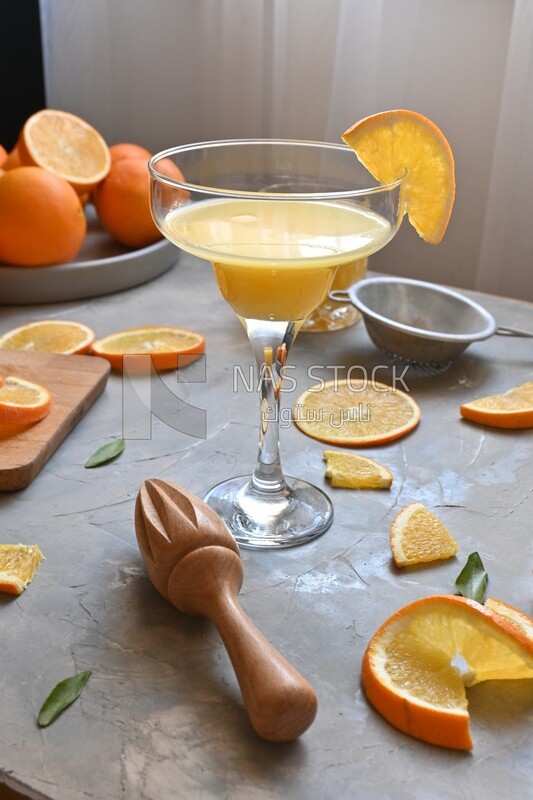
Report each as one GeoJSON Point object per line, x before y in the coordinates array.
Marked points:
{"type": "Point", "coordinates": [102, 266]}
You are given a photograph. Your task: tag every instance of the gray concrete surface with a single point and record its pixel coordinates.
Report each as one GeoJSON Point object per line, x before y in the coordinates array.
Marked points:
{"type": "Point", "coordinates": [161, 717]}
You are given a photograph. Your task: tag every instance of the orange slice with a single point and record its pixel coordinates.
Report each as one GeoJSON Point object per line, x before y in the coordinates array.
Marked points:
{"type": "Point", "coordinates": [22, 402]}
{"type": "Point", "coordinates": [168, 347]}
{"type": "Point", "coordinates": [396, 143]}
{"type": "Point", "coordinates": [49, 336]}
{"type": "Point", "coordinates": [355, 413]}
{"type": "Point", "coordinates": [65, 144]}
{"type": "Point", "coordinates": [515, 617]}
{"type": "Point", "coordinates": [418, 663]}
{"type": "Point", "coordinates": [418, 536]}
{"type": "Point", "coordinates": [18, 565]}
{"type": "Point", "coordinates": [513, 409]}
{"type": "Point", "coordinates": [351, 471]}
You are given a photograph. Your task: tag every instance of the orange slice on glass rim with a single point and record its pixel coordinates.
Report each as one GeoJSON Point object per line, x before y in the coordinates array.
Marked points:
{"type": "Point", "coordinates": [401, 142]}
{"type": "Point", "coordinates": [513, 409]}
{"type": "Point", "coordinates": [22, 402]}
{"type": "Point", "coordinates": [49, 336]}
{"type": "Point", "coordinates": [418, 663]}
{"type": "Point", "coordinates": [355, 413]}
{"type": "Point", "coordinates": [168, 347]}
{"type": "Point", "coordinates": [66, 145]}
{"type": "Point", "coordinates": [18, 564]}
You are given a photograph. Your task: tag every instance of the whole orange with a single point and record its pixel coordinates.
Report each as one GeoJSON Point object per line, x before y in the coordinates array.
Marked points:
{"type": "Point", "coordinates": [41, 218]}
{"type": "Point", "coordinates": [128, 150]}
{"type": "Point", "coordinates": [167, 167]}
{"type": "Point", "coordinates": [12, 160]}
{"type": "Point", "coordinates": [122, 203]}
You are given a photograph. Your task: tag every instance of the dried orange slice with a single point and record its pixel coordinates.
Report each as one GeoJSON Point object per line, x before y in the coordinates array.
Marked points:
{"type": "Point", "coordinates": [18, 565]}
{"type": "Point", "coordinates": [396, 143]}
{"type": "Point", "coordinates": [22, 402]}
{"type": "Point", "coordinates": [355, 413]}
{"type": "Point", "coordinates": [417, 536]}
{"type": "Point", "coordinates": [418, 663]}
{"type": "Point", "coordinates": [67, 145]}
{"type": "Point", "coordinates": [49, 336]}
{"type": "Point", "coordinates": [168, 347]}
{"type": "Point", "coordinates": [352, 471]}
{"type": "Point", "coordinates": [513, 409]}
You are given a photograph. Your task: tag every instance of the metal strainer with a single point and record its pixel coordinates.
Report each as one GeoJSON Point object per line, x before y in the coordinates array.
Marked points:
{"type": "Point", "coordinates": [420, 322]}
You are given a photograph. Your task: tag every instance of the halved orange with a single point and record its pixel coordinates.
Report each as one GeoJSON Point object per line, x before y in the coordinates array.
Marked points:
{"type": "Point", "coordinates": [18, 564]}
{"type": "Point", "coordinates": [355, 413]}
{"type": "Point", "coordinates": [49, 336]}
{"type": "Point", "coordinates": [418, 663]}
{"type": "Point", "coordinates": [513, 409]}
{"type": "Point", "coordinates": [22, 402]}
{"type": "Point", "coordinates": [401, 142]}
{"type": "Point", "coordinates": [417, 536]}
{"type": "Point", "coordinates": [168, 347]}
{"type": "Point", "coordinates": [352, 471]}
{"type": "Point", "coordinates": [66, 145]}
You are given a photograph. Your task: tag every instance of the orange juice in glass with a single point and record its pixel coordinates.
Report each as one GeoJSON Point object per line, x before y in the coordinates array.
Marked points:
{"type": "Point", "coordinates": [277, 219]}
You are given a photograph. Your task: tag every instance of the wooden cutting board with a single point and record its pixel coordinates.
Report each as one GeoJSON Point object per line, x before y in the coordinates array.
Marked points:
{"type": "Point", "coordinates": [74, 382]}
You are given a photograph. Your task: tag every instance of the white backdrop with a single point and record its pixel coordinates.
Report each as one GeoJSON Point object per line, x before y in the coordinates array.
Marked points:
{"type": "Point", "coordinates": [164, 72]}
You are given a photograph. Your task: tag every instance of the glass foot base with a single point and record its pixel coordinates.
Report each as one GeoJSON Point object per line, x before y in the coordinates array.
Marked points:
{"type": "Point", "coordinates": [261, 520]}
{"type": "Point", "coordinates": [331, 316]}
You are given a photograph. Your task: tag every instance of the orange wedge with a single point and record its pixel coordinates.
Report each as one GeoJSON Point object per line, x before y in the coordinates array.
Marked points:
{"type": "Point", "coordinates": [418, 663]}
{"type": "Point", "coordinates": [355, 413]}
{"type": "Point", "coordinates": [417, 536]}
{"type": "Point", "coordinates": [168, 347]}
{"type": "Point", "coordinates": [352, 471]}
{"type": "Point", "coordinates": [49, 336]}
{"type": "Point", "coordinates": [396, 143]}
{"type": "Point", "coordinates": [513, 409]}
{"type": "Point", "coordinates": [18, 564]}
{"type": "Point", "coordinates": [66, 145]}
{"type": "Point", "coordinates": [22, 402]}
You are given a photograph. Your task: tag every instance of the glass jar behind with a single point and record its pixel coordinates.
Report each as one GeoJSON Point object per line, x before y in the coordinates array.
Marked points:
{"type": "Point", "coordinates": [333, 315]}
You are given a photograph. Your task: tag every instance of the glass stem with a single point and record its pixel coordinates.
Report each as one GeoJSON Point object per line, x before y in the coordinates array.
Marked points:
{"type": "Point", "coordinates": [270, 342]}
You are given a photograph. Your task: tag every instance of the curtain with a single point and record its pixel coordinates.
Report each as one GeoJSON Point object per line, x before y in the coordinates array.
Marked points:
{"type": "Point", "coordinates": [164, 72]}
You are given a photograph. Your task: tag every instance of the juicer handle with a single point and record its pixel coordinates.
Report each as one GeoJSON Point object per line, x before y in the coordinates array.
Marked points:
{"type": "Point", "coordinates": [280, 703]}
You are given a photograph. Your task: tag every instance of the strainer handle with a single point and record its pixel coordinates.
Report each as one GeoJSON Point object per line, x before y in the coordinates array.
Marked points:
{"type": "Point", "coordinates": [503, 330]}
{"type": "Point", "coordinates": [339, 296]}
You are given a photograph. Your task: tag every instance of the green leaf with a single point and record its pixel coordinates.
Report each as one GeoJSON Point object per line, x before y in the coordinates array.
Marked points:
{"type": "Point", "coordinates": [62, 696]}
{"type": "Point", "coordinates": [472, 580]}
{"type": "Point", "coordinates": [105, 453]}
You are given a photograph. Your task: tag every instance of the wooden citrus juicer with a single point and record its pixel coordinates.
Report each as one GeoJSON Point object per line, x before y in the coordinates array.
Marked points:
{"type": "Point", "coordinates": [194, 562]}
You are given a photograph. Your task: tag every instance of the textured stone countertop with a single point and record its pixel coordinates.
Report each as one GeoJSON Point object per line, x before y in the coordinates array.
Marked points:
{"type": "Point", "coordinates": [161, 717]}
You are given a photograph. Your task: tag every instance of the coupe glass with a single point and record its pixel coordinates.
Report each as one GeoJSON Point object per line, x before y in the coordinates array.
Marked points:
{"type": "Point", "coordinates": [275, 218]}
